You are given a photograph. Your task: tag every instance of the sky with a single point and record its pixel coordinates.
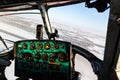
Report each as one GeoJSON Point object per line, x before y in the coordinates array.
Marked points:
{"type": "Point", "coordinates": [80, 16]}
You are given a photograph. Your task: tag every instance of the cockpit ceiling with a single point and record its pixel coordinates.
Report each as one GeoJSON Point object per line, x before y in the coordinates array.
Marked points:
{"type": "Point", "coordinates": [12, 5]}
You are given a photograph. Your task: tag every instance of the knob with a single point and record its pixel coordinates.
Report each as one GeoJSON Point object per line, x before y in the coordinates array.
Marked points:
{"type": "Point", "coordinates": [47, 46]}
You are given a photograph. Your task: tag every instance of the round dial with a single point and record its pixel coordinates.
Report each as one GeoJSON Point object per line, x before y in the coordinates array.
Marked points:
{"type": "Point", "coordinates": [45, 57]}
{"type": "Point", "coordinates": [38, 56]}
{"type": "Point", "coordinates": [32, 46]}
{"type": "Point", "coordinates": [53, 57]}
{"type": "Point", "coordinates": [56, 45]}
{"type": "Point", "coordinates": [62, 57]}
{"type": "Point", "coordinates": [24, 46]}
{"type": "Point", "coordinates": [28, 56]}
{"type": "Point", "coordinates": [39, 46]}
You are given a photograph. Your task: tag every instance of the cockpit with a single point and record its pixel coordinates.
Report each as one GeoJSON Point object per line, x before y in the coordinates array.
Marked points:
{"type": "Point", "coordinates": [34, 46]}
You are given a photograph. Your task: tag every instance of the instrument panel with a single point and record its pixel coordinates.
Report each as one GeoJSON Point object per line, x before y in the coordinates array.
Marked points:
{"type": "Point", "coordinates": [44, 59]}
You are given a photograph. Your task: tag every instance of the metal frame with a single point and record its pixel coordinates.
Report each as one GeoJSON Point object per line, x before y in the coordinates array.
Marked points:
{"type": "Point", "coordinates": [112, 48]}
{"type": "Point", "coordinates": [45, 17]}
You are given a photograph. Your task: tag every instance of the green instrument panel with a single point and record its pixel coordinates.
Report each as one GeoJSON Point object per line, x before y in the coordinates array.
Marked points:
{"type": "Point", "coordinates": [43, 60]}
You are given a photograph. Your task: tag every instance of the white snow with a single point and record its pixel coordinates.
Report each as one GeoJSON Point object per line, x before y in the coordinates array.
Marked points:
{"type": "Point", "coordinates": [96, 39]}
{"type": "Point", "coordinates": [10, 72]}
{"type": "Point", "coordinates": [84, 67]}
{"type": "Point", "coordinates": [97, 51]}
{"type": "Point", "coordinates": [15, 30]}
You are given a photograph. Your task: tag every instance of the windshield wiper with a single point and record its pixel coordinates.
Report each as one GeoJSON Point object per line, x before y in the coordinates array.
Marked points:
{"type": "Point", "coordinates": [4, 42]}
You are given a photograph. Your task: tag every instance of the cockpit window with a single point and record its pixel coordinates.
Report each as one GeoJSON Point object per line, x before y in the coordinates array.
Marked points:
{"type": "Point", "coordinates": [76, 24]}
{"type": "Point", "coordinates": [18, 25]}
{"type": "Point", "coordinates": [81, 26]}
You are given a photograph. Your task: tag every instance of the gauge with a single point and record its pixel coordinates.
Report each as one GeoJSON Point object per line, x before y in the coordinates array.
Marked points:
{"type": "Point", "coordinates": [61, 57]}
{"type": "Point", "coordinates": [45, 57]}
{"type": "Point", "coordinates": [32, 46]}
{"type": "Point", "coordinates": [47, 46]}
{"type": "Point", "coordinates": [39, 46]}
{"type": "Point", "coordinates": [28, 57]}
{"type": "Point", "coordinates": [24, 46]}
{"type": "Point", "coordinates": [52, 57]}
{"type": "Point", "coordinates": [20, 56]}
{"type": "Point", "coordinates": [56, 45]}
{"type": "Point", "coordinates": [38, 56]}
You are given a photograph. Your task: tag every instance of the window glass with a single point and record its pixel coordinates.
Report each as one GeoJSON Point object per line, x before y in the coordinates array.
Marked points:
{"type": "Point", "coordinates": [81, 26]}
{"type": "Point", "coordinates": [18, 25]}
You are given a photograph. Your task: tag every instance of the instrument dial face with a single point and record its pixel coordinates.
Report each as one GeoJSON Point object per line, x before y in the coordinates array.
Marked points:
{"type": "Point", "coordinates": [45, 57]}
{"type": "Point", "coordinates": [29, 57]}
{"type": "Point", "coordinates": [56, 45]}
{"type": "Point", "coordinates": [38, 56]}
{"type": "Point", "coordinates": [32, 46]}
{"type": "Point", "coordinates": [53, 57]}
{"type": "Point", "coordinates": [62, 57]}
{"type": "Point", "coordinates": [24, 46]}
{"type": "Point", "coordinates": [39, 46]}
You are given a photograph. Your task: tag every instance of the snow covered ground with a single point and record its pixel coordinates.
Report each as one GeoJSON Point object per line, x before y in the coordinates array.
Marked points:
{"type": "Point", "coordinates": [20, 28]}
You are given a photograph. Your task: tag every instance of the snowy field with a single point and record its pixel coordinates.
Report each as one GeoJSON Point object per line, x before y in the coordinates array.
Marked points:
{"type": "Point", "coordinates": [21, 28]}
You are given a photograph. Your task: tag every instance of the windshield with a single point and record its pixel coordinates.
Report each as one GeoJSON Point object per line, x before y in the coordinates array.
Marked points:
{"type": "Point", "coordinates": [81, 26]}
{"type": "Point", "coordinates": [18, 25]}
{"type": "Point", "coordinates": [76, 24]}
